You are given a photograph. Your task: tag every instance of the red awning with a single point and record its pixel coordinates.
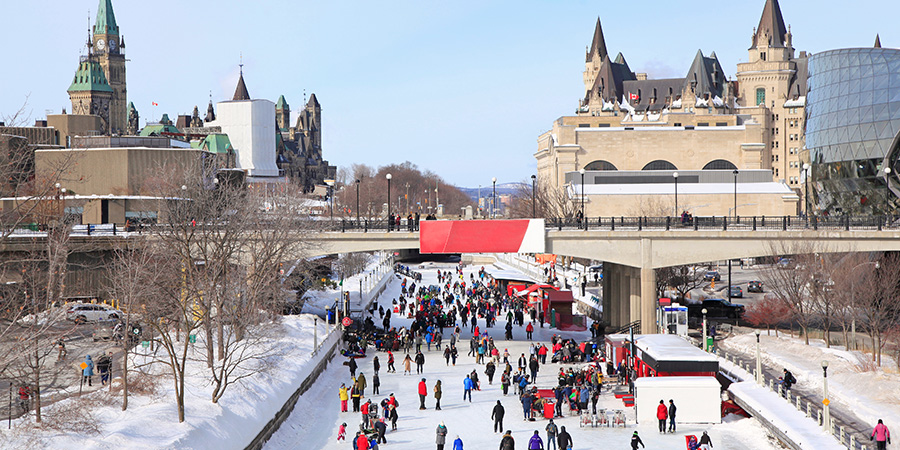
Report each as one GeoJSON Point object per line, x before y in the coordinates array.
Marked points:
{"type": "Point", "coordinates": [560, 296]}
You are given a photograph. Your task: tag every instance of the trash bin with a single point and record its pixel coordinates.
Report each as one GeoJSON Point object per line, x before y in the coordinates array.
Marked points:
{"type": "Point", "coordinates": [710, 343]}
{"type": "Point", "coordinates": [549, 410]}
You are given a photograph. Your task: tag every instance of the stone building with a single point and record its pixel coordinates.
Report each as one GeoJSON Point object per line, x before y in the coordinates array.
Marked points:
{"type": "Point", "coordinates": [631, 123]}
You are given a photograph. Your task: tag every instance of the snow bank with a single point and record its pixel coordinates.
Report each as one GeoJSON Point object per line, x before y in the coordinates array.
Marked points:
{"type": "Point", "coordinates": [870, 394]}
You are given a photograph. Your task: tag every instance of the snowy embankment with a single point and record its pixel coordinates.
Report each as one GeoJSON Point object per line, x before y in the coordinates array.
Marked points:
{"type": "Point", "coordinates": [854, 383]}
{"type": "Point", "coordinates": [768, 407]}
{"type": "Point", "coordinates": [95, 420]}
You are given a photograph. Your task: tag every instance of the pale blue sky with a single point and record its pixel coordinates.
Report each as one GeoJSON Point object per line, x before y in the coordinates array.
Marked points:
{"type": "Point", "coordinates": [462, 88]}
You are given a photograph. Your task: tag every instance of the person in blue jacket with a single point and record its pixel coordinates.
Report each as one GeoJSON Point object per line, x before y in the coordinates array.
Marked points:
{"type": "Point", "coordinates": [457, 443]}
{"type": "Point", "coordinates": [468, 385]}
{"type": "Point", "coordinates": [88, 371]}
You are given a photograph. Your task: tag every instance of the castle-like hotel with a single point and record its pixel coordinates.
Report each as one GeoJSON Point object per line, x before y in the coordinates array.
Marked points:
{"type": "Point", "coordinates": [633, 135]}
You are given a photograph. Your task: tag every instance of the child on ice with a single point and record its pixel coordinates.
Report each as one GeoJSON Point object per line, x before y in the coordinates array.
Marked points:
{"type": "Point", "coordinates": [342, 432]}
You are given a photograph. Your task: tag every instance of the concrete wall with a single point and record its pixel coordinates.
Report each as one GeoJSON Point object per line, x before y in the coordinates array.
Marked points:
{"type": "Point", "coordinates": [73, 125]}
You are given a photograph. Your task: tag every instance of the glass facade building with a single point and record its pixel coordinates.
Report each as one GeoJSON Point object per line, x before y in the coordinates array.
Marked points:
{"type": "Point", "coordinates": [852, 130]}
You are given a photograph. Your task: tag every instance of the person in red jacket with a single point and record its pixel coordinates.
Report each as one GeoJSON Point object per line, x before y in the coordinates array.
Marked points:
{"type": "Point", "coordinates": [423, 392]}
{"type": "Point", "coordinates": [362, 442]}
{"type": "Point", "coordinates": [662, 413]}
{"type": "Point", "coordinates": [529, 330]}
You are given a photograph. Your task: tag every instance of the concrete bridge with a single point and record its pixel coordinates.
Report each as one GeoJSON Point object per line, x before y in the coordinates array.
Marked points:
{"type": "Point", "coordinates": [630, 255]}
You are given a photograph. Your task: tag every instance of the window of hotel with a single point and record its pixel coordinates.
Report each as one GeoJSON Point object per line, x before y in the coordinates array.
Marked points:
{"type": "Point", "coordinates": [660, 165]}
{"type": "Point", "coordinates": [761, 92]}
{"type": "Point", "coordinates": [703, 124]}
{"type": "Point", "coordinates": [721, 124]}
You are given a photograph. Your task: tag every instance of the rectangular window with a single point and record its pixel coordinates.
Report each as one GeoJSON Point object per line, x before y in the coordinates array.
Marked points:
{"type": "Point", "coordinates": [703, 124]}
{"type": "Point", "coordinates": [721, 124]}
{"type": "Point", "coordinates": [676, 124]}
{"type": "Point", "coordinates": [761, 92]}
{"type": "Point", "coordinates": [603, 125]}
{"type": "Point", "coordinates": [584, 125]}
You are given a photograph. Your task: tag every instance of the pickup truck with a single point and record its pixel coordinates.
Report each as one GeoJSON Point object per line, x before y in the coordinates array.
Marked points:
{"type": "Point", "coordinates": [716, 308]}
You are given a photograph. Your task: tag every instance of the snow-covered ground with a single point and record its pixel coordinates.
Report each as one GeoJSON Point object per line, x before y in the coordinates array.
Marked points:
{"type": "Point", "coordinates": [853, 383]}
{"type": "Point", "coordinates": [151, 421]}
{"type": "Point", "coordinates": [316, 418]}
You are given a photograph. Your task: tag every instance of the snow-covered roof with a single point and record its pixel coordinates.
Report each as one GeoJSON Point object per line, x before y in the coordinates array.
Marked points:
{"type": "Point", "coordinates": [677, 382]}
{"type": "Point", "coordinates": [798, 103]}
{"type": "Point", "coordinates": [669, 347]}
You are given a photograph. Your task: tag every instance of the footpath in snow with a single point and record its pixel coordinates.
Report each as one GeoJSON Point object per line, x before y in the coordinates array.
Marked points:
{"type": "Point", "coordinates": [314, 422]}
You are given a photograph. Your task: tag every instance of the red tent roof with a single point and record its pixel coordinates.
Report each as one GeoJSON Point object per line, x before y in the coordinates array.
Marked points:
{"type": "Point", "coordinates": [560, 296]}
{"type": "Point", "coordinates": [535, 287]}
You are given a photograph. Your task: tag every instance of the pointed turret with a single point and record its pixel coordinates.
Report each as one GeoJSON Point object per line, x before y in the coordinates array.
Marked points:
{"type": "Point", "coordinates": [281, 103]}
{"type": "Point", "coordinates": [240, 92]}
{"type": "Point", "coordinates": [877, 41]}
{"type": "Point", "coordinates": [313, 101]}
{"type": "Point", "coordinates": [210, 112]}
{"type": "Point", "coordinates": [106, 19]}
{"type": "Point", "coordinates": [598, 44]}
{"type": "Point", "coordinates": [771, 30]}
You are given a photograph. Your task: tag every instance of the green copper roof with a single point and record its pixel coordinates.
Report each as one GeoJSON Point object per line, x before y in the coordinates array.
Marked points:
{"type": "Point", "coordinates": [89, 77]}
{"type": "Point", "coordinates": [216, 143]}
{"type": "Point", "coordinates": [131, 107]}
{"type": "Point", "coordinates": [281, 103]}
{"type": "Point", "coordinates": [157, 129]}
{"type": "Point", "coordinates": [106, 19]}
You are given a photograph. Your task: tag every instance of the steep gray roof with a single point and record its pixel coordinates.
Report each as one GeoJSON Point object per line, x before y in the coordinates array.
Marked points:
{"type": "Point", "coordinates": [771, 26]}
{"type": "Point", "coordinates": [240, 92]}
{"type": "Point", "coordinates": [708, 75]}
{"type": "Point", "coordinates": [798, 81]}
{"type": "Point", "coordinates": [598, 44]}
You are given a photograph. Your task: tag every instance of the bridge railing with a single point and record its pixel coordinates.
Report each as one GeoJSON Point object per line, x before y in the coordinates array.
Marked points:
{"type": "Point", "coordinates": [726, 223]}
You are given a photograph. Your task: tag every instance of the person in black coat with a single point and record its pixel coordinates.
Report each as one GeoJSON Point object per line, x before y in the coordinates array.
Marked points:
{"type": "Point", "coordinates": [635, 441]}
{"type": "Point", "coordinates": [672, 409]}
{"type": "Point", "coordinates": [381, 428]}
{"type": "Point", "coordinates": [352, 365]}
{"type": "Point", "coordinates": [497, 416]}
{"type": "Point", "coordinates": [420, 363]}
{"type": "Point", "coordinates": [564, 439]}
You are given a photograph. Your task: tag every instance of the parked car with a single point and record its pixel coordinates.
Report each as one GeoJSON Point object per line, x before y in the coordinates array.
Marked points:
{"type": "Point", "coordinates": [754, 286]}
{"type": "Point", "coordinates": [716, 308]}
{"type": "Point", "coordinates": [786, 263]}
{"type": "Point", "coordinates": [712, 275]}
{"type": "Point", "coordinates": [86, 312]}
{"type": "Point", "coordinates": [737, 292]}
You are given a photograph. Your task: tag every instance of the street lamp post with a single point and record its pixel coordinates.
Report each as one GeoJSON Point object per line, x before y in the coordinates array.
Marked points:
{"type": "Point", "coordinates": [388, 176]}
{"type": "Point", "coordinates": [533, 213]}
{"type": "Point", "coordinates": [357, 202]}
{"type": "Point", "coordinates": [705, 347]}
{"type": "Point", "coordinates": [806, 190]}
{"type": "Point", "coordinates": [759, 375]}
{"type": "Point", "coordinates": [583, 217]}
{"type": "Point", "coordinates": [887, 189]}
{"type": "Point", "coordinates": [826, 413]}
{"type": "Point", "coordinates": [735, 192]}
{"type": "Point", "coordinates": [675, 176]}
{"type": "Point", "coordinates": [493, 196]}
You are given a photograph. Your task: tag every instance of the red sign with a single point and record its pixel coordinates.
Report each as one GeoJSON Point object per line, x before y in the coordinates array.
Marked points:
{"type": "Point", "coordinates": [347, 321]}
{"type": "Point", "coordinates": [482, 236]}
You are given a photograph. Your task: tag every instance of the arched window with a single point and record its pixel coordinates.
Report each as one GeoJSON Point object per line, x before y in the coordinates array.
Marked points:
{"type": "Point", "coordinates": [719, 164]}
{"type": "Point", "coordinates": [660, 165]}
{"type": "Point", "coordinates": [600, 165]}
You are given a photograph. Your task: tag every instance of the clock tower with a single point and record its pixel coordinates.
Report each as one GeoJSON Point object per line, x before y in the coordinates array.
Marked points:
{"type": "Point", "coordinates": [109, 51]}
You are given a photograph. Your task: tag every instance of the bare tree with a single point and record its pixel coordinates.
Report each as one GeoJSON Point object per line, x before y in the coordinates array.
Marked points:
{"type": "Point", "coordinates": [794, 283]}
{"type": "Point", "coordinates": [546, 200]}
{"type": "Point", "coordinates": [880, 303]}
{"type": "Point", "coordinates": [683, 279]}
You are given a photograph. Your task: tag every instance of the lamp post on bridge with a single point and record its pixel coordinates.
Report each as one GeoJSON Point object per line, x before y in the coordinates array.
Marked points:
{"type": "Point", "coordinates": [388, 215]}
{"type": "Point", "coordinates": [675, 177]}
{"type": "Point", "coordinates": [705, 347]}
{"type": "Point", "coordinates": [493, 196]}
{"type": "Point", "coordinates": [583, 217]}
{"type": "Point", "coordinates": [887, 189]}
{"type": "Point", "coordinates": [735, 192]}
{"type": "Point", "coordinates": [533, 213]}
{"type": "Point", "coordinates": [806, 191]}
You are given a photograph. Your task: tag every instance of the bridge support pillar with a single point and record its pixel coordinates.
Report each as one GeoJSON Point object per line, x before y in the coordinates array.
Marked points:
{"type": "Point", "coordinates": [648, 300]}
{"type": "Point", "coordinates": [621, 295]}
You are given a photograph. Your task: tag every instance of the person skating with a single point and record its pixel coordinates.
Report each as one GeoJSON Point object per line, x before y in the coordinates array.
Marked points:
{"type": "Point", "coordinates": [342, 432]}
{"type": "Point", "coordinates": [529, 330]}
{"type": "Point", "coordinates": [705, 442]}
{"type": "Point", "coordinates": [376, 364]}
{"type": "Point", "coordinates": [437, 395]}
{"type": "Point", "coordinates": [362, 442]}
{"type": "Point", "coordinates": [881, 435]}
{"type": "Point", "coordinates": [552, 431]}
{"type": "Point", "coordinates": [393, 416]}
{"type": "Point", "coordinates": [458, 443]}
{"type": "Point", "coordinates": [507, 442]}
{"type": "Point", "coordinates": [489, 370]}
{"type": "Point", "coordinates": [447, 355]}
{"type": "Point", "coordinates": [662, 413]}
{"type": "Point", "coordinates": [672, 409]}
{"type": "Point", "coordinates": [564, 439]}
{"type": "Point", "coordinates": [504, 382]}
{"type": "Point", "coordinates": [361, 383]}
{"type": "Point", "coordinates": [391, 368]}
{"type": "Point", "coordinates": [636, 440]}
{"type": "Point", "coordinates": [536, 443]}
{"type": "Point", "coordinates": [420, 363]}
{"type": "Point", "coordinates": [376, 383]}
{"type": "Point", "coordinates": [364, 410]}
{"type": "Point", "coordinates": [467, 388]}
{"type": "Point", "coordinates": [497, 416]}
{"type": "Point", "coordinates": [423, 391]}
{"type": "Point", "coordinates": [354, 395]}
{"type": "Point", "coordinates": [352, 365]}
{"type": "Point", "coordinates": [526, 404]}
{"type": "Point", "coordinates": [344, 396]}
{"type": "Point", "coordinates": [440, 436]}
{"type": "Point", "coordinates": [406, 365]}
